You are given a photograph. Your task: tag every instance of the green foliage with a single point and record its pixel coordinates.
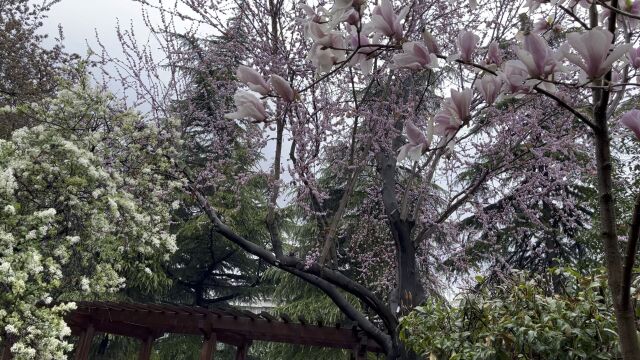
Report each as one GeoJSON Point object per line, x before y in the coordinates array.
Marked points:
{"type": "Point", "coordinates": [519, 320]}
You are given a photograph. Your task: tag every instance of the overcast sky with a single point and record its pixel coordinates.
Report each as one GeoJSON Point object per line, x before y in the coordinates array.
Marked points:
{"type": "Point", "coordinates": [80, 20]}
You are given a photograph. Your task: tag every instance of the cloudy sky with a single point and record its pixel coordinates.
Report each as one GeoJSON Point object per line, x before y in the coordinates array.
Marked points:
{"type": "Point", "coordinates": [82, 18]}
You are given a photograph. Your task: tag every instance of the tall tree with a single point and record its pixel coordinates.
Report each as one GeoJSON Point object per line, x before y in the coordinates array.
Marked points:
{"type": "Point", "coordinates": [515, 102]}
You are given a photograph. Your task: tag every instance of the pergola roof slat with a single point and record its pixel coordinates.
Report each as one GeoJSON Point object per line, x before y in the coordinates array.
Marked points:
{"type": "Point", "coordinates": [231, 326]}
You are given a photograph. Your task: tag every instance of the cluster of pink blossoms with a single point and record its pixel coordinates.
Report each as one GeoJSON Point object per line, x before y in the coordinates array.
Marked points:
{"type": "Point", "coordinates": [340, 38]}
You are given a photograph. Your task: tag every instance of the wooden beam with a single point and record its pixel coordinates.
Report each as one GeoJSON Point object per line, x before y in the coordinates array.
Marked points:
{"type": "Point", "coordinates": [84, 343]}
{"type": "Point", "coordinates": [208, 347]}
{"type": "Point", "coordinates": [242, 351]}
{"type": "Point", "coordinates": [145, 348]}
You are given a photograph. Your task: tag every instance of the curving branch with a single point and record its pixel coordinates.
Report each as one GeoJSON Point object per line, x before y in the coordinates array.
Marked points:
{"type": "Point", "coordinates": [292, 264]}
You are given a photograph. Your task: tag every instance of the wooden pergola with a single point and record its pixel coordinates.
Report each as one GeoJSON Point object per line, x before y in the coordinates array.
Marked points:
{"type": "Point", "coordinates": [238, 328]}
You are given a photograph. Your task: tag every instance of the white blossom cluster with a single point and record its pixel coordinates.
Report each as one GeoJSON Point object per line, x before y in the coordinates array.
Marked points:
{"type": "Point", "coordinates": [84, 211]}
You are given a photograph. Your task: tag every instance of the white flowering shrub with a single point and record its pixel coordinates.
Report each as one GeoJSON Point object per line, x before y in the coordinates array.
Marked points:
{"type": "Point", "coordinates": [85, 202]}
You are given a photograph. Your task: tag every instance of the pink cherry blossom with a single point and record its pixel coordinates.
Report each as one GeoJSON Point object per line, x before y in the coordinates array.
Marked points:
{"type": "Point", "coordinates": [631, 119]}
{"type": "Point", "coordinates": [282, 87]}
{"type": "Point", "coordinates": [489, 87]}
{"type": "Point", "coordinates": [417, 145]}
{"type": "Point", "coordinates": [248, 106]}
{"type": "Point", "coordinates": [415, 56]}
{"type": "Point", "coordinates": [467, 42]}
{"type": "Point", "coordinates": [593, 51]}
{"type": "Point", "coordinates": [253, 79]}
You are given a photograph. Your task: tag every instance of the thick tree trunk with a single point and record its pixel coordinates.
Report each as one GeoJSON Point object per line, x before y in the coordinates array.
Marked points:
{"type": "Point", "coordinates": [625, 317]}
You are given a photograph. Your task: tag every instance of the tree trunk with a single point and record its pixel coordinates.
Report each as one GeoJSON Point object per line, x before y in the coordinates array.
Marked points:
{"type": "Point", "coordinates": [625, 317]}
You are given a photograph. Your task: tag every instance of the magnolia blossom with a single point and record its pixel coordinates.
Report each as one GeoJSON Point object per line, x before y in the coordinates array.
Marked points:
{"type": "Point", "coordinates": [319, 34]}
{"type": "Point", "coordinates": [542, 25]}
{"type": "Point", "coordinates": [489, 87]}
{"type": "Point", "coordinates": [631, 119]}
{"type": "Point", "coordinates": [416, 56]}
{"type": "Point", "coordinates": [361, 58]}
{"type": "Point", "coordinates": [418, 142]}
{"type": "Point", "coordinates": [593, 48]}
{"type": "Point", "coordinates": [387, 22]}
{"type": "Point", "coordinates": [514, 77]}
{"type": "Point", "coordinates": [634, 57]}
{"type": "Point", "coordinates": [253, 79]}
{"type": "Point", "coordinates": [460, 103]}
{"type": "Point", "coordinates": [249, 106]}
{"type": "Point", "coordinates": [282, 87]}
{"type": "Point", "coordinates": [327, 50]}
{"type": "Point", "coordinates": [537, 57]}
{"type": "Point", "coordinates": [467, 42]}
{"type": "Point", "coordinates": [494, 55]}
{"type": "Point", "coordinates": [351, 17]}
{"type": "Point", "coordinates": [430, 42]}
{"type": "Point", "coordinates": [446, 123]}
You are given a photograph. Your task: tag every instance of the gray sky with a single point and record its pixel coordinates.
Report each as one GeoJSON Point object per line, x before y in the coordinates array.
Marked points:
{"type": "Point", "coordinates": [81, 18]}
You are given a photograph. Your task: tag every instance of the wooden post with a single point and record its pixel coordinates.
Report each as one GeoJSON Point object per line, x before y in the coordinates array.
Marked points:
{"type": "Point", "coordinates": [84, 343]}
{"type": "Point", "coordinates": [6, 349]}
{"type": "Point", "coordinates": [360, 349]}
{"type": "Point", "coordinates": [359, 353]}
{"type": "Point", "coordinates": [208, 347]}
{"type": "Point", "coordinates": [145, 348]}
{"type": "Point", "coordinates": [243, 350]}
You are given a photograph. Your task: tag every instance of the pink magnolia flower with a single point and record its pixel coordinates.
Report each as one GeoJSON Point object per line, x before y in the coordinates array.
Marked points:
{"type": "Point", "coordinates": [351, 17]}
{"type": "Point", "coordinates": [282, 87]}
{"type": "Point", "coordinates": [467, 42]}
{"type": "Point", "coordinates": [446, 123]}
{"type": "Point", "coordinates": [361, 58]}
{"type": "Point", "coordinates": [386, 22]}
{"type": "Point", "coordinates": [593, 49]}
{"type": "Point", "coordinates": [320, 36]}
{"type": "Point", "coordinates": [542, 25]}
{"type": "Point", "coordinates": [430, 42]}
{"type": "Point", "coordinates": [328, 48]}
{"type": "Point", "coordinates": [634, 57]}
{"type": "Point", "coordinates": [514, 77]}
{"type": "Point", "coordinates": [254, 80]}
{"type": "Point", "coordinates": [417, 145]}
{"type": "Point", "coordinates": [489, 87]}
{"type": "Point", "coordinates": [494, 55]}
{"type": "Point", "coordinates": [248, 106]}
{"type": "Point", "coordinates": [537, 57]}
{"type": "Point", "coordinates": [415, 56]}
{"type": "Point", "coordinates": [631, 119]}
{"type": "Point", "coordinates": [460, 103]}
{"type": "Point", "coordinates": [311, 14]}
